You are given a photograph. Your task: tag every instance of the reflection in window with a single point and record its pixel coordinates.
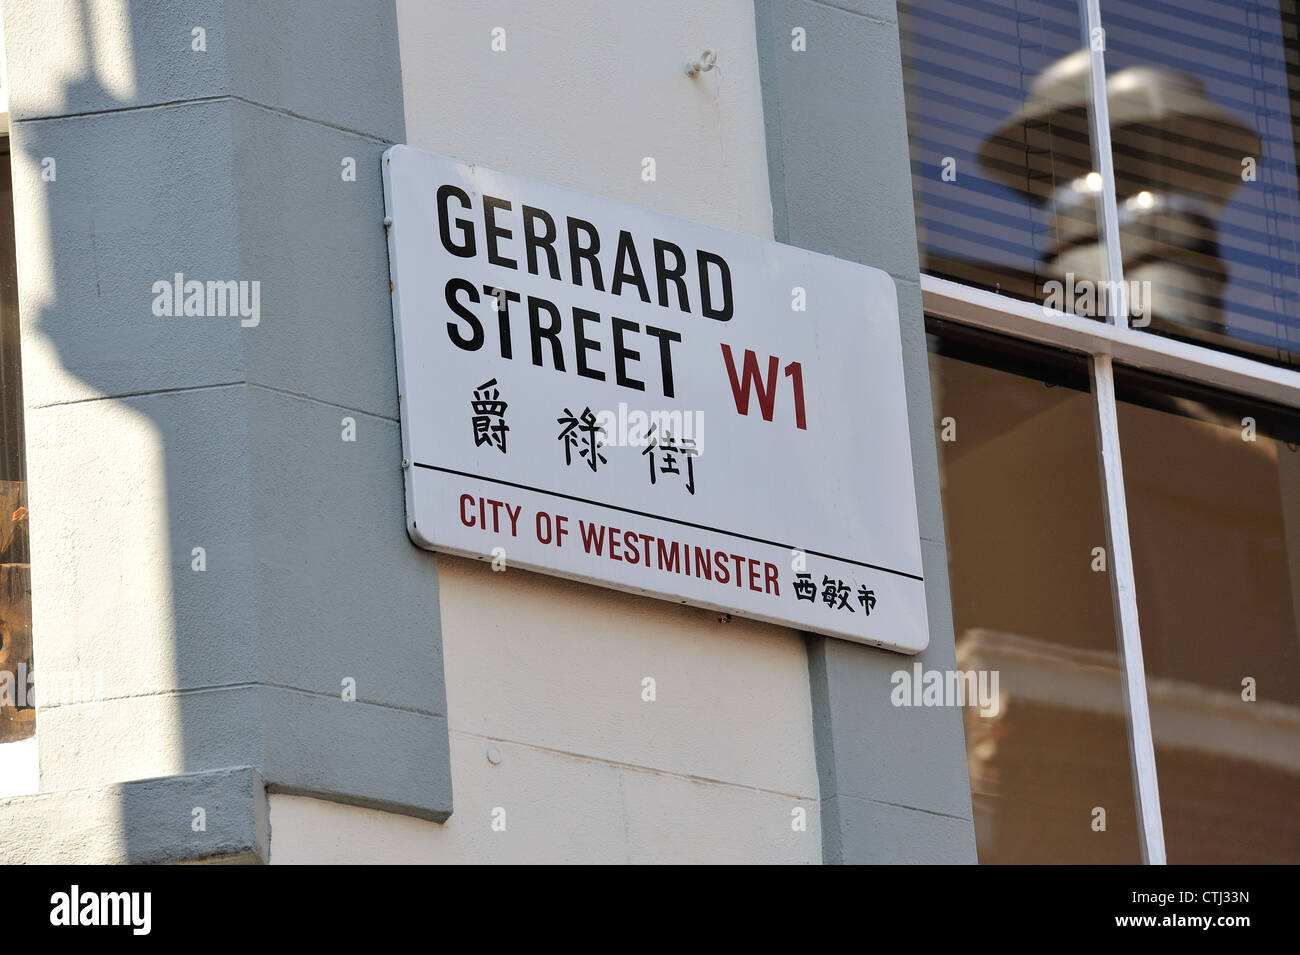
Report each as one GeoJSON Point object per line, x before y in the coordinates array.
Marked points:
{"type": "Point", "coordinates": [1203, 98]}
{"type": "Point", "coordinates": [1001, 157]}
{"type": "Point", "coordinates": [1023, 518]}
{"type": "Point", "coordinates": [17, 712]}
{"type": "Point", "coordinates": [1213, 490]}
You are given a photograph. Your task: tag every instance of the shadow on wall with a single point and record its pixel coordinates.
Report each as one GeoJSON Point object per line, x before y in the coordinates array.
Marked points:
{"type": "Point", "coordinates": [204, 542]}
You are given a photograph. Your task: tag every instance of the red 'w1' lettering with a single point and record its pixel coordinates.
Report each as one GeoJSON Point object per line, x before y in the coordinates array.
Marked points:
{"type": "Point", "coordinates": [765, 389]}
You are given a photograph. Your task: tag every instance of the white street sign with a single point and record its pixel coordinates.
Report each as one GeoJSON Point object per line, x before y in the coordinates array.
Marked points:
{"type": "Point", "coordinates": [607, 393]}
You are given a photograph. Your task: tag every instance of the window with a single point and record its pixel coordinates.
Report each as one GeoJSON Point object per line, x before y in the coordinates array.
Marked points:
{"type": "Point", "coordinates": [1108, 205]}
{"type": "Point", "coordinates": [1203, 127]}
{"type": "Point", "coordinates": [1203, 139]}
{"type": "Point", "coordinates": [991, 148]}
{"type": "Point", "coordinates": [1213, 486]}
{"type": "Point", "coordinates": [1023, 513]}
{"type": "Point", "coordinates": [17, 712]}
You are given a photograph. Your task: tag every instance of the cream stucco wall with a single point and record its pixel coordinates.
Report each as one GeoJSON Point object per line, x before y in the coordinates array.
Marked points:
{"type": "Point", "coordinates": [544, 675]}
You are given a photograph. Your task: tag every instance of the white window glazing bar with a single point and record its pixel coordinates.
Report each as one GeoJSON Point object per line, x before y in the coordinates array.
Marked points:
{"type": "Point", "coordinates": [944, 298]}
{"type": "Point", "coordinates": [1146, 791]}
{"type": "Point", "coordinates": [1142, 755]}
{"type": "Point", "coordinates": [1094, 37]}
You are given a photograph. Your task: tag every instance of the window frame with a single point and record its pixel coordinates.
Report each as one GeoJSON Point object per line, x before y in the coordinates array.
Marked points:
{"type": "Point", "coordinates": [1105, 342]}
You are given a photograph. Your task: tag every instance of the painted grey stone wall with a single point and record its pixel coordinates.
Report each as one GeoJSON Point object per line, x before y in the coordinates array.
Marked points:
{"type": "Point", "coordinates": [150, 436]}
{"type": "Point", "coordinates": [148, 821]}
{"type": "Point", "coordinates": [894, 783]}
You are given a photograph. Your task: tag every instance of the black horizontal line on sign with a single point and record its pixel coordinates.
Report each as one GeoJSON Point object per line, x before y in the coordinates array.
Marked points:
{"type": "Point", "coordinates": [660, 517]}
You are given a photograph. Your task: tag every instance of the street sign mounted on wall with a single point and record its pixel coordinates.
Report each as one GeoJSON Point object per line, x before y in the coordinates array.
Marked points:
{"type": "Point", "coordinates": [603, 392]}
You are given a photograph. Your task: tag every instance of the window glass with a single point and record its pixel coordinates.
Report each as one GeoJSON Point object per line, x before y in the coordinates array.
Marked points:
{"type": "Point", "coordinates": [1203, 97]}
{"type": "Point", "coordinates": [1213, 486]}
{"type": "Point", "coordinates": [1002, 172]}
{"type": "Point", "coordinates": [1050, 773]}
{"type": "Point", "coordinates": [17, 711]}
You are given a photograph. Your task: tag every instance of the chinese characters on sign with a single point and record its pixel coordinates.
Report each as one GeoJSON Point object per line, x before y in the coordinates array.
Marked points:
{"type": "Point", "coordinates": [835, 593]}
{"type": "Point", "coordinates": [584, 435]}
{"type": "Point", "coordinates": [489, 416]}
{"type": "Point", "coordinates": [665, 454]}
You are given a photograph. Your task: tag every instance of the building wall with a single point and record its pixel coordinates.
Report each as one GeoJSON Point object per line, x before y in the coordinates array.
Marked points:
{"type": "Point", "coordinates": [210, 139]}
{"type": "Point", "coordinates": [148, 437]}
{"type": "Point", "coordinates": [544, 677]}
